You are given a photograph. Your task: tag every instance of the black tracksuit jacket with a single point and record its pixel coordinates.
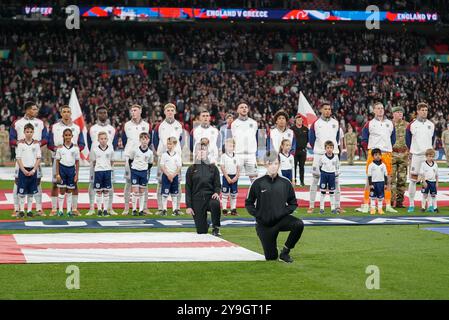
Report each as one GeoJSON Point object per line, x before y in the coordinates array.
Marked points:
{"type": "Point", "coordinates": [271, 199]}
{"type": "Point", "coordinates": [202, 181]}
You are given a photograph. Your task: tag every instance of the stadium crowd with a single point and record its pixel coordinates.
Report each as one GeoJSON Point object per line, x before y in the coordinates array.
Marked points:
{"type": "Point", "coordinates": [199, 47]}
{"type": "Point", "coordinates": [352, 96]}
{"type": "Point", "coordinates": [207, 67]}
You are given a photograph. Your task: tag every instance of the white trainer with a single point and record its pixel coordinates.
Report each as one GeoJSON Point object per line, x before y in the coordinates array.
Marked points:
{"type": "Point", "coordinates": [390, 209]}
{"type": "Point", "coordinates": [364, 208]}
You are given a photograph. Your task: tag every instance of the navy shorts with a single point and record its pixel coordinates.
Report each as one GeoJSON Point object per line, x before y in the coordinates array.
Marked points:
{"type": "Point", "coordinates": [287, 174]}
{"type": "Point", "coordinates": [139, 177]}
{"type": "Point", "coordinates": [67, 177]}
{"type": "Point", "coordinates": [226, 187]}
{"type": "Point", "coordinates": [431, 188]}
{"type": "Point", "coordinates": [378, 191]}
{"type": "Point", "coordinates": [169, 187]}
{"type": "Point", "coordinates": [327, 181]}
{"type": "Point", "coordinates": [103, 180]}
{"type": "Point", "coordinates": [27, 185]}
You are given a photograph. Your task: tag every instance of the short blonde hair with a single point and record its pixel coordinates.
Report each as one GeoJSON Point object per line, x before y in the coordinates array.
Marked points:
{"type": "Point", "coordinates": [169, 105]}
{"type": "Point", "coordinates": [430, 152]}
{"type": "Point", "coordinates": [102, 133]}
{"type": "Point", "coordinates": [230, 140]}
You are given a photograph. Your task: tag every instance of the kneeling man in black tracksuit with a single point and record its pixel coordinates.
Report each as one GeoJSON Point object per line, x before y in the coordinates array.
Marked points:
{"type": "Point", "coordinates": [271, 200]}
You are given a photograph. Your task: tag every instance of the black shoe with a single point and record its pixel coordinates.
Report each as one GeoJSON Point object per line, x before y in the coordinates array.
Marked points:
{"type": "Point", "coordinates": [100, 213]}
{"type": "Point", "coordinates": [21, 214]}
{"type": "Point", "coordinates": [302, 184]}
{"type": "Point", "coordinates": [135, 213]}
{"type": "Point", "coordinates": [224, 212]}
{"type": "Point", "coordinates": [163, 212]}
{"type": "Point", "coordinates": [216, 232]}
{"type": "Point", "coordinates": [176, 212]}
{"type": "Point", "coordinates": [436, 210]}
{"type": "Point", "coordinates": [234, 212]}
{"type": "Point", "coordinates": [105, 213]}
{"type": "Point", "coordinates": [141, 213]}
{"type": "Point", "coordinates": [284, 256]}
{"type": "Point", "coordinates": [29, 214]}
{"type": "Point", "coordinates": [399, 205]}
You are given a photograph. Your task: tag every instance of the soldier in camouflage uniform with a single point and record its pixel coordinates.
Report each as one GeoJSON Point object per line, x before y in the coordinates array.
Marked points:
{"type": "Point", "coordinates": [400, 159]}
{"type": "Point", "coordinates": [4, 145]}
{"type": "Point", "coordinates": [351, 144]}
{"type": "Point", "coordinates": [445, 142]}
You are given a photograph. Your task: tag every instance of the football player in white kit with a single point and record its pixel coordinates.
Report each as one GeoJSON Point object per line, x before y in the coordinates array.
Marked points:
{"type": "Point", "coordinates": [419, 137]}
{"type": "Point", "coordinates": [280, 132]}
{"type": "Point", "coordinates": [379, 133]}
{"type": "Point", "coordinates": [244, 132]}
{"type": "Point", "coordinates": [102, 125]}
{"type": "Point", "coordinates": [130, 138]}
{"type": "Point", "coordinates": [16, 134]}
{"type": "Point", "coordinates": [325, 128]}
{"type": "Point", "coordinates": [170, 127]}
{"type": "Point", "coordinates": [205, 130]}
{"type": "Point", "coordinates": [55, 141]}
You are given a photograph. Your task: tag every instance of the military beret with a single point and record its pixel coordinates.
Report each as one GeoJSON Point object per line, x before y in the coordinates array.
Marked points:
{"type": "Point", "coordinates": [398, 109]}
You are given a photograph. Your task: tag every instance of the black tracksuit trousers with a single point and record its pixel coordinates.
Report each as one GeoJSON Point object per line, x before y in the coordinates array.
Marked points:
{"type": "Point", "coordinates": [300, 159]}
{"type": "Point", "coordinates": [200, 208]}
{"type": "Point", "coordinates": [268, 235]}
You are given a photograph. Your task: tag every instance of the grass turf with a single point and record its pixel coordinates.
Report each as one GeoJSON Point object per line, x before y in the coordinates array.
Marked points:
{"type": "Point", "coordinates": [330, 263]}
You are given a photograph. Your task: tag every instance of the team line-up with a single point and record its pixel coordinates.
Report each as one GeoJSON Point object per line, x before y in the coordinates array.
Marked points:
{"type": "Point", "coordinates": [234, 152]}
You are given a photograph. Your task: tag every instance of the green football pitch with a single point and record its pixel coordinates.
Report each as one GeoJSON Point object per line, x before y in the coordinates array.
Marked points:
{"type": "Point", "coordinates": [330, 263]}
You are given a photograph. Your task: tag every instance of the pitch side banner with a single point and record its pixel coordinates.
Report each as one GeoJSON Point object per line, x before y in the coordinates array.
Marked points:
{"type": "Point", "coordinates": [143, 13]}
{"type": "Point", "coordinates": [188, 223]}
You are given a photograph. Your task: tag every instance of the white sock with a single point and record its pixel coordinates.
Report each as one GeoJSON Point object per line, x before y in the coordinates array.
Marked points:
{"type": "Point", "coordinates": [313, 190]}
{"type": "Point", "coordinates": [29, 202]}
{"type": "Point", "coordinates": [22, 203]}
{"type": "Point", "coordinates": [164, 202]}
{"type": "Point", "coordinates": [99, 198]}
{"type": "Point", "coordinates": [233, 201]}
{"type": "Point", "coordinates": [424, 201]}
{"type": "Point", "coordinates": [159, 197]}
{"type": "Point", "coordinates": [434, 202]}
{"type": "Point", "coordinates": [145, 194]}
{"type": "Point", "coordinates": [54, 203]}
{"type": "Point", "coordinates": [142, 201]}
{"type": "Point", "coordinates": [70, 201]}
{"type": "Point", "coordinates": [106, 201]}
{"type": "Point", "coordinates": [322, 200]}
{"type": "Point", "coordinates": [411, 193]}
{"type": "Point", "coordinates": [380, 204]}
{"type": "Point", "coordinates": [174, 201]}
{"type": "Point", "coordinates": [224, 200]}
{"type": "Point", "coordinates": [92, 195]}
{"type": "Point", "coordinates": [61, 202]}
{"type": "Point", "coordinates": [127, 193]}
{"type": "Point", "coordinates": [332, 200]}
{"type": "Point", "coordinates": [178, 196]}
{"type": "Point", "coordinates": [38, 198]}
{"type": "Point", "coordinates": [373, 203]}
{"type": "Point", "coordinates": [134, 197]}
{"type": "Point", "coordinates": [74, 202]}
{"type": "Point", "coordinates": [337, 192]}
{"type": "Point", "coordinates": [110, 199]}
{"type": "Point", "coordinates": [15, 197]}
